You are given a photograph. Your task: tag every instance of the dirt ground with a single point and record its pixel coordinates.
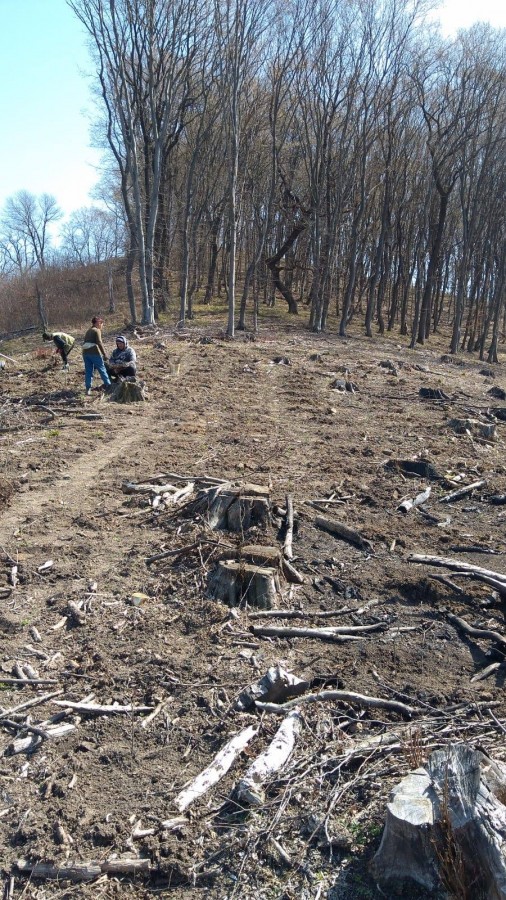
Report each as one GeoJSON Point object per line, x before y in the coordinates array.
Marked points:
{"type": "Point", "coordinates": [262, 411]}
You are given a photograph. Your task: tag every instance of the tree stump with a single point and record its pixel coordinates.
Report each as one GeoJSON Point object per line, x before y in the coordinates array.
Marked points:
{"type": "Point", "coordinates": [446, 825]}
{"type": "Point", "coordinates": [233, 507]}
{"type": "Point", "coordinates": [235, 583]}
{"type": "Point", "coordinates": [127, 392]}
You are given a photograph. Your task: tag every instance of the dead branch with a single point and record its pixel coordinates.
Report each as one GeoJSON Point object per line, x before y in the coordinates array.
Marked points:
{"type": "Point", "coordinates": [456, 565]}
{"type": "Point", "coordinates": [287, 546]}
{"type": "Point", "coordinates": [462, 492]}
{"type": "Point", "coordinates": [107, 709]}
{"type": "Point", "coordinates": [477, 632]}
{"type": "Point", "coordinates": [344, 532]}
{"type": "Point", "coordinates": [338, 634]}
{"type": "Point", "coordinates": [340, 696]}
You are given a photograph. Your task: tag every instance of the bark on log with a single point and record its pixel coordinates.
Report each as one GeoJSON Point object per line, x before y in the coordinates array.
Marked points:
{"type": "Point", "coordinates": [216, 770]}
{"type": "Point", "coordinates": [343, 531]}
{"type": "Point", "coordinates": [452, 809]}
{"type": "Point", "coordinates": [235, 583]}
{"type": "Point", "coordinates": [51, 872]}
{"type": "Point", "coordinates": [251, 786]}
{"type": "Point", "coordinates": [106, 709]}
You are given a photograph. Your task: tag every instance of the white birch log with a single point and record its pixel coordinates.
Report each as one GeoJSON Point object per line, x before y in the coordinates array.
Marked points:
{"type": "Point", "coordinates": [251, 787]}
{"type": "Point", "coordinates": [456, 565]}
{"type": "Point", "coordinates": [216, 770]}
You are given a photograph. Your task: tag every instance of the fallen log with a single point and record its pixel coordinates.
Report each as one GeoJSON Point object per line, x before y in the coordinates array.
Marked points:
{"type": "Point", "coordinates": [251, 786]}
{"type": "Point", "coordinates": [216, 770]}
{"type": "Point", "coordinates": [343, 531]}
{"type": "Point", "coordinates": [446, 827]}
{"type": "Point", "coordinates": [340, 696]}
{"type": "Point", "coordinates": [344, 633]}
{"type": "Point", "coordinates": [76, 872]}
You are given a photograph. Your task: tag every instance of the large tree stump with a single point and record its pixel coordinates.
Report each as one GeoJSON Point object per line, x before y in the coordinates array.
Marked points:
{"type": "Point", "coordinates": [446, 824]}
{"type": "Point", "coordinates": [127, 392]}
{"type": "Point", "coordinates": [233, 507]}
{"type": "Point", "coordinates": [235, 583]}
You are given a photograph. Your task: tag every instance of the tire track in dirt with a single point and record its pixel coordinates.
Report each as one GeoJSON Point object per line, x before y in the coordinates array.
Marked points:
{"type": "Point", "coordinates": [77, 480]}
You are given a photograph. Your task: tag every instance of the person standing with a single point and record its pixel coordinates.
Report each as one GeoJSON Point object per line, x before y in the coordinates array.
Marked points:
{"type": "Point", "coordinates": [63, 343]}
{"type": "Point", "coordinates": [94, 354]}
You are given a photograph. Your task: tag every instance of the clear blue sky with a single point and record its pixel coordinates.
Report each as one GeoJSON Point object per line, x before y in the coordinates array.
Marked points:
{"type": "Point", "coordinates": [45, 102]}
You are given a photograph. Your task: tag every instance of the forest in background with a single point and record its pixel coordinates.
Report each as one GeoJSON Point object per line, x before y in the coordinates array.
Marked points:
{"type": "Point", "coordinates": [343, 160]}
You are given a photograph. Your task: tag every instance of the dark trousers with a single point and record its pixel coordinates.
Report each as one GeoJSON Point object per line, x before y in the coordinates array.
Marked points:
{"type": "Point", "coordinates": [126, 372]}
{"type": "Point", "coordinates": [60, 346]}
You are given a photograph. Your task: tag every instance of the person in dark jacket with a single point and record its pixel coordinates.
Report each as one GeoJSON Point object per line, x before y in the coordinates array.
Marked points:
{"type": "Point", "coordinates": [94, 354]}
{"type": "Point", "coordinates": [123, 360]}
{"type": "Point", "coordinates": [63, 343]}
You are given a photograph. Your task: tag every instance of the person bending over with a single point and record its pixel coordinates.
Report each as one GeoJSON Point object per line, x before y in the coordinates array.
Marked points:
{"type": "Point", "coordinates": [94, 354]}
{"type": "Point", "coordinates": [63, 343]}
{"type": "Point", "coordinates": [123, 360]}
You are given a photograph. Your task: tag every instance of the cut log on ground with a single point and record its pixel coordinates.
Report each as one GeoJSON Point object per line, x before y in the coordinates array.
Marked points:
{"type": "Point", "coordinates": [251, 786]}
{"type": "Point", "coordinates": [464, 626]}
{"type": "Point", "coordinates": [235, 583]}
{"type": "Point", "coordinates": [287, 547]}
{"type": "Point", "coordinates": [446, 826]}
{"type": "Point", "coordinates": [343, 531]}
{"type": "Point", "coordinates": [216, 770]}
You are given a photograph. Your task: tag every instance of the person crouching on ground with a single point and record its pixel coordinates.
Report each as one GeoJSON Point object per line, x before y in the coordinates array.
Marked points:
{"type": "Point", "coordinates": [94, 354]}
{"type": "Point", "coordinates": [63, 343]}
{"type": "Point", "coordinates": [123, 360]}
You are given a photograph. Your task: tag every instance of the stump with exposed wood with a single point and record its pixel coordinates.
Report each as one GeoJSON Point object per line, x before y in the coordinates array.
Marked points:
{"type": "Point", "coordinates": [128, 392]}
{"type": "Point", "coordinates": [235, 583]}
{"type": "Point", "coordinates": [446, 825]}
{"type": "Point", "coordinates": [233, 507]}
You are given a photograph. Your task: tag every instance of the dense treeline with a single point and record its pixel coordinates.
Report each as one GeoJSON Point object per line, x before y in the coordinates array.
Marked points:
{"type": "Point", "coordinates": [342, 156]}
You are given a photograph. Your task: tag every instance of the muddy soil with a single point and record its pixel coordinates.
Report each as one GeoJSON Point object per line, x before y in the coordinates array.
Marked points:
{"type": "Point", "coordinates": [269, 411]}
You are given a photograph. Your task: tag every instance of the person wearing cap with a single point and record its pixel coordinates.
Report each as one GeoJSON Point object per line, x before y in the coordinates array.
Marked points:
{"type": "Point", "coordinates": [94, 354]}
{"type": "Point", "coordinates": [123, 360]}
{"type": "Point", "coordinates": [63, 343]}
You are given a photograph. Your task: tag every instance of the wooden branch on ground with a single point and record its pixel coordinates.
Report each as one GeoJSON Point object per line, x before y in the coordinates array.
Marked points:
{"type": "Point", "coordinates": [77, 872]}
{"type": "Point", "coordinates": [487, 671]}
{"type": "Point", "coordinates": [478, 632]}
{"type": "Point", "coordinates": [290, 572]}
{"type": "Point", "coordinates": [27, 682]}
{"type": "Point", "coordinates": [106, 709]}
{"type": "Point", "coordinates": [338, 634]}
{"type": "Point", "coordinates": [287, 546]}
{"type": "Point", "coordinates": [462, 492]}
{"type": "Point", "coordinates": [340, 696]}
{"type": "Point", "coordinates": [216, 770]}
{"type": "Point", "coordinates": [251, 786]}
{"type": "Point", "coordinates": [180, 550]}
{"type": "Point", "coordinates": [37, 701]}
{"type": "Point", "coordinates": [456, 565]}
{"type": "Point", "coordinates": [343, 531]}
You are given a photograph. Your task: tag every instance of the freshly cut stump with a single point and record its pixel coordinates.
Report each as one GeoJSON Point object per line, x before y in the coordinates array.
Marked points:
{"type": "Point", "coordinates": [235, 583]}
{"type": "Point", "coordinates": [446, 824]}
